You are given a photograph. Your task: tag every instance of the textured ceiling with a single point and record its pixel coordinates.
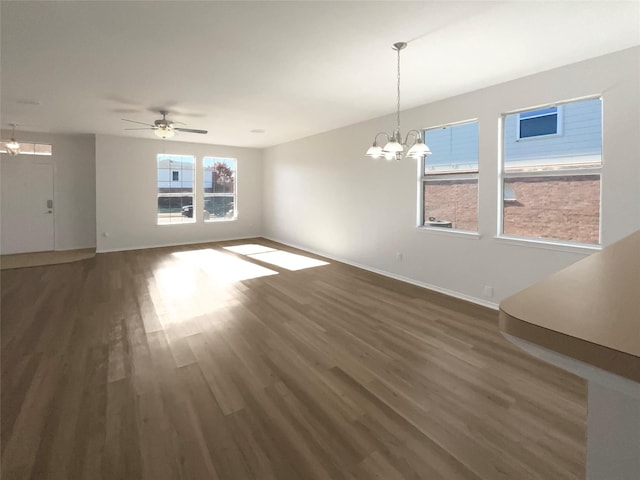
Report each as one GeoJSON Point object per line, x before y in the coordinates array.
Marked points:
{"type": "Point", "coordinates": [292, 69]}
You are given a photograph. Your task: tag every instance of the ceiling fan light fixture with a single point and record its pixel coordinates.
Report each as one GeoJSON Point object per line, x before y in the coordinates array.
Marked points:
{"type": "Point", "coordinates": [164, 132]}
{"type": "Point", "coordinates": [164, 128]}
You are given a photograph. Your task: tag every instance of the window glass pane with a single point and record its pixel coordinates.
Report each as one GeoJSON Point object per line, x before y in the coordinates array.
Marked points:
{"type": "Point", "coordinates": [175, 209]}
{"type": "Point", "coordinates": [454, 148]}
{"type": "Point", "coordinates": [219, 207]}
{"type": "Point", "coordinates": [219, 175]}
{"type": "Point", "coordinates": [451, 203]}
{"type": "Point", "coordinates": [579, 144]}
{"type": "Point", "coordinates": [175, 192]}
{"type": "Point", "coordinates": [553, 207]}
{"type": "Point", "coordinates": [537, 126]}
{"type": "Point", "coordinates": [42, 149]}
{"type": "Point", "coordinates": [27, 148]}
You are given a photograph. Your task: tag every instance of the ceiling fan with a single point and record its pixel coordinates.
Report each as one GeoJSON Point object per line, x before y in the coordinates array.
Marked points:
{"type": "Point", "coordinates": [164, 128]}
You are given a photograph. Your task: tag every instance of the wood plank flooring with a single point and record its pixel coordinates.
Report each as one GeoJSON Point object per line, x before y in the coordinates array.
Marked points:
{"type": "Point", "coordinates": [195, 362]}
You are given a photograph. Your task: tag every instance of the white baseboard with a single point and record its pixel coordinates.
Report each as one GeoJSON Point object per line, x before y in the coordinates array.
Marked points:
{"type": "Point", "coordinates": [161, 245]}
{"type": "Point", "coordinates": [428, 286]}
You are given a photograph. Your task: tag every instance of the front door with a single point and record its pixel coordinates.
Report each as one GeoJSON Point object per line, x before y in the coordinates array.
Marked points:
{"type": "Point", "coordinates": [27, 205]}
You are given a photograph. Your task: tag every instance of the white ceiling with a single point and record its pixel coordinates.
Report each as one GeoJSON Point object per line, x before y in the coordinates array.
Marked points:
{"type": "Point", "coordinates": [292, 69]}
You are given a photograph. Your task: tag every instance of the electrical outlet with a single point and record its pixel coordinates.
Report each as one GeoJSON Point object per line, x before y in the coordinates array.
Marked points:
{"type": "Point", "coordinates": [399, 256]}
{"type": "Point", "coordinates": [488, 291]}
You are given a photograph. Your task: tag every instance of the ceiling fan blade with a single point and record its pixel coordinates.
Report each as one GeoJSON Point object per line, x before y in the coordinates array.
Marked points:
{"type": "Point", "coordinates": [190, 130]}
{"type": "Point", "coordinates": [140, 128]}
{"type": "Point", "coordinates": [141, 123]}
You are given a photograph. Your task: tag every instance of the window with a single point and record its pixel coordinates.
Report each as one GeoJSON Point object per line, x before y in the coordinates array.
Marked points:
{"type": "Point", "coordinates": [450, 177]}
{"type": "Point", "coordinates": [175, 192]}
{"type": "Point", "coordinates": [551, 186]}
{"type": "Point", "coordinates": [540, 122]}
{"type": "Point", "coordinates": [219, 183]}
{"type": "Point", "coordinates": [29, 148]}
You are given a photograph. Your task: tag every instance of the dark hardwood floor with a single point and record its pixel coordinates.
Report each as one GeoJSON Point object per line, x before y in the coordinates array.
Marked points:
{"type": "Point", "coordinates": [196, 362]}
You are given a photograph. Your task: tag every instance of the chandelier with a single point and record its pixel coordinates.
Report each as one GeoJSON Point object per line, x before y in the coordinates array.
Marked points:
{"type": "Point", "coordinates": [13, 147]}
{"type": "Point", "coordinates": [395, 146]}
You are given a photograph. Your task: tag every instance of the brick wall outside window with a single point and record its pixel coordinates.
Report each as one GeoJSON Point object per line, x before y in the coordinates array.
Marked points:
{"type": "Point", "coordinates": [454, 201]}
{"type": "Point", "coordinates": [561, 208]}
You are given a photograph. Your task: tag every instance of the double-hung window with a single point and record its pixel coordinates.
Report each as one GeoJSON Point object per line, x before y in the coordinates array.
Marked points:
{"type": "Point", "coordinates": [551, 172]}
{"type": "Point", "coordinates": [175, 182]}
{"type": "Point", "coordinates": [450, 177]}
{"type": "Point", "coordinates": [219, 186]}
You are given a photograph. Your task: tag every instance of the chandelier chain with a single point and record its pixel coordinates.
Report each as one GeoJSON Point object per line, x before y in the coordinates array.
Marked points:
{"type": "Point", "coordinates": [398, 104]}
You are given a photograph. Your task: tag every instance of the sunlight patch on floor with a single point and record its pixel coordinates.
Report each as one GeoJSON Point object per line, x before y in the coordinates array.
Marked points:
{"type": "Point", "coordinates": [222, 267]}
{"type": "Point", "coordinates": [194, 283]}
{"type": "Point", "coordinates": [290, 261]}
{"type": "Point", "coordinates": [279, 258]}
{"type": "Point", "coordinates": [249, 249]}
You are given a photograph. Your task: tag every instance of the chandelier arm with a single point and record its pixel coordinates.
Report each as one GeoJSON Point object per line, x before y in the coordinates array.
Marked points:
{"type": "Point", "coordinates": [375, 139]}
{"type": "Point", "coordinates": [416, 136]}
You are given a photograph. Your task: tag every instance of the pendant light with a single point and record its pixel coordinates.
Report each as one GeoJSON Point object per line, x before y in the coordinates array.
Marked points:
{"type": "Point", "coordinates": [395, 145]}
{"type": "Point", "coordinates": [13, 147]}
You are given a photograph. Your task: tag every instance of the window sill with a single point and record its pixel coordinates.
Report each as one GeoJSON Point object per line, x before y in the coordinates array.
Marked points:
{"type": "Point", "coordinates": [450, 231]}
{"type": "Point", "coordinates": [556, 245]}
{"type": "Point", "coordinates": [174, 224]}
{"type": "Point", "coordinates": [221, 220]}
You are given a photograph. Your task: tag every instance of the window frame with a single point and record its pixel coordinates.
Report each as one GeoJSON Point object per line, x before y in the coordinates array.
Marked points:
{"type": "Point", "coordinates": [453, 174]}
{"type": "Point", "coordinates": [551, 170]}
{"type": "Point", "coordinates": [207, 217]}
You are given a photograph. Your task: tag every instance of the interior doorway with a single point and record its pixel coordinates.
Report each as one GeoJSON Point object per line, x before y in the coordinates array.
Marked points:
{"type": "Point", "coordinates": [27, 223]}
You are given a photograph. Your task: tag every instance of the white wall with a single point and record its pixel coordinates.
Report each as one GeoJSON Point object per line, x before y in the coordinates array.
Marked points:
{"type": "Point", "coordinates": [126, 190]}
{"type": "Point", "coordinates": [74, 185]}
{"type": "Point", "coordinates": [321, 193]}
